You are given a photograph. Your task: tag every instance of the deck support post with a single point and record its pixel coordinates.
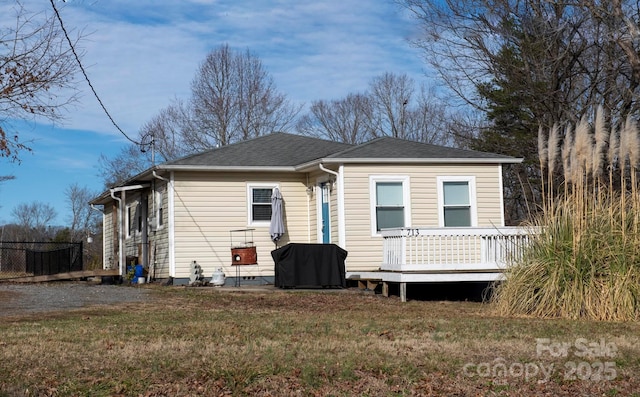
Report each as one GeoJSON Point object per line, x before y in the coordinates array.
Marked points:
{"type": "Point", "coordinates": [385, 289]}
{"type": "Point", "coordinates": [403, 292]}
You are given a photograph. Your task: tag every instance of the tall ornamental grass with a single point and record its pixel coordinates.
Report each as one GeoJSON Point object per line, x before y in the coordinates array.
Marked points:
{"type": "Point", "coordinates": [584, 258]}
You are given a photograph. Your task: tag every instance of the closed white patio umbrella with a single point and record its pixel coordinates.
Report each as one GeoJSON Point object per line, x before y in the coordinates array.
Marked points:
{"type": "Point", "coordinates": [276, 228]}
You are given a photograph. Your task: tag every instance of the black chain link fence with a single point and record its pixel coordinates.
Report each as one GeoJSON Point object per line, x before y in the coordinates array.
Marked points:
{"type": "Point", "coordinates": [22, 259]}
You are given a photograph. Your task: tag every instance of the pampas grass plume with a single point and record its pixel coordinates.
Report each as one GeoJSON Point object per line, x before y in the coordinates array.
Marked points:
{"type": "Point", "coordinates": [567, 148]}
{"type": "Point", "coordinates": [601, 136]}
{"type": "Point", "coordinates": [584, 151]}
{"type": "Point", "coordinates": [631, 132]}
{"type": "Point", "coordinates": [542, 148]}
{"type": "Point", "coordinates": [614, 148]}
{"type": "Point", "coordinates": [553, 148]}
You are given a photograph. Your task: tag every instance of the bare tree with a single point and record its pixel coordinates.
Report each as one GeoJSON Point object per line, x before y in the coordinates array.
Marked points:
{"type": "Point", "coordinates": [36, 74]}
{"type": "Point", "coordinates": [234, 99]}
{"type": "Point", "coordinates": [532, 63]}
{"type": "Point", "coordinates": [390, 95]}
{"type": "Point", "coordinates": [129, 162]}
{"type": "Point", "coordinates": [428, 120]}
{"type": "Point", "coordinates": [83, 219]}
{"type": "Point", "coordinates": [34, 219]}
{"type": "Point", "coordinates": [389, 107]}
{"type": "Point", "coordinates": [164, 135]}
{"type": "Point", "coordinates": [562, 59]}
{"type": "Point", "coordinates": [344, 120]}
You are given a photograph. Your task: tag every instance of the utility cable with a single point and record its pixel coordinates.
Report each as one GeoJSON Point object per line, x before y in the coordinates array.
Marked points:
{"type": "Point", "coordinates": [86, 77]}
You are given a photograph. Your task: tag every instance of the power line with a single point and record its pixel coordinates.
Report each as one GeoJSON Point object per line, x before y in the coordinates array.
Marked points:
{"type": "Point", "coordinates": [86, 77]}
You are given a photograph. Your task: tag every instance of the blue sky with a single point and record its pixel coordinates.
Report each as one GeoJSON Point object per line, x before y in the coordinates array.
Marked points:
{"type": "Point", "coordinates": [141, 54]}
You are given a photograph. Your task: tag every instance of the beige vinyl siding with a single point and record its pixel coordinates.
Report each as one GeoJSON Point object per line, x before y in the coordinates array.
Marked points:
{"type": "Point", "coordinates": [333, 211]}
{"type": "Point", "coordinates": [159, 238]}
{"type": "Point", "coordinates": [313, 178]}
{"type": "Point", "coordinates": [365, 250]}
{"type": "Point", "coordinates": [134, 239]}
{"type": "Point", "coordinates": [109, 239]}
{"type": "Point", "coordinates": [209, 206]}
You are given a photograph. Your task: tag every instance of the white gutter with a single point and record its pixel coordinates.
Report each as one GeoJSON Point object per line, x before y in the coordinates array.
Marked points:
{"type": "Point", "coordinates": [130, 187]}
{"type": "Point", "coordinates": [464, 160]}
{"type": "Point", "coordinates": [342, 238]}
{"type": "Point", "coordinates": [226, 168]}
{"type": "Point", "coordinates": [171, 223]}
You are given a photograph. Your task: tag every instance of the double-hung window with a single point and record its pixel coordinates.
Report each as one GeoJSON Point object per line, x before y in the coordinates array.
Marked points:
{"type": "Point", "coordinates": [133, 221]}
{"type": "Point", "coordinates": [139, 217]}
{"type": "Point", "coordinates": [389, 202]}
{"type": "Point", "coordinates": [456, 197]}
{"type": "Point", "coordinates": [159, 222]}
{"type": "Point", "coordinates": [129, 221]}
{"type": "Point", "coordinates": [259, 203]}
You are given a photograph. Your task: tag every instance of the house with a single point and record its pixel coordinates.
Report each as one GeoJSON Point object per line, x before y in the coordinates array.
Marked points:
{"type": "Point", "coordinates": [365, 198]}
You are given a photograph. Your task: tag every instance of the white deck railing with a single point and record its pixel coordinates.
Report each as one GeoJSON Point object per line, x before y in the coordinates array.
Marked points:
{"type": "Point", "coordinates": [453, 249]}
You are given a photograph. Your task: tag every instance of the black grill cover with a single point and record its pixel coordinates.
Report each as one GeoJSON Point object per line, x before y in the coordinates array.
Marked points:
{"type": "Point", "coordinates": [309, 265]}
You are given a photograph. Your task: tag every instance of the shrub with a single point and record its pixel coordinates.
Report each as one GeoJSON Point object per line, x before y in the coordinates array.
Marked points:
{"type": "Point", "coordinates": [582, 261]}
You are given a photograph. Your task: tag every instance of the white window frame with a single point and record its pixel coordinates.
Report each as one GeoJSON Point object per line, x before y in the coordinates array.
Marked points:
{"type": "Point", "coordinates": [471, 182]}
{"type": "Point", "coordinates": [250, 187]}
{"type": "Point", "coordinates": [129, 213]}
{"type": "Point", "coordinates": [159, 212]}
{"type": "Point", "coordinates": [406, 198]}
{"type": "Point", "coordinates": [139, 220]}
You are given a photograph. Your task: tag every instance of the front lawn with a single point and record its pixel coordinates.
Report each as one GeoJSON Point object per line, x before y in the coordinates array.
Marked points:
{"type": "Point", "coordinates": [205, 341]}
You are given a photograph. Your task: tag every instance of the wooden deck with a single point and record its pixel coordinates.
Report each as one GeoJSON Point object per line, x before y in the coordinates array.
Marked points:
{"type": "Point", "coordinates": [64, 276]}
{"type": "Point", "coordinates": [434, 255]}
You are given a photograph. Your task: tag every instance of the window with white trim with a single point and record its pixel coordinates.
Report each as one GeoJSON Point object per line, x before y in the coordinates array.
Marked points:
{"type": "Point", "coordinates": [259, 203]}
{"type": "Point", "coordinates": [128, 221]}
{"type": "Point", "coordinates": [159, 221]}
{"type": "Point", "coordinates": [389, 202]}
{"type": "Point", "coordinates": [456, 201]}
{"type": "Point", "coordinates": [139, 217]}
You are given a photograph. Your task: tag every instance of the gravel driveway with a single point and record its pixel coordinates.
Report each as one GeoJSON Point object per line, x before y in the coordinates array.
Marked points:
{"type": "Point", "coordinates": [16, 299]}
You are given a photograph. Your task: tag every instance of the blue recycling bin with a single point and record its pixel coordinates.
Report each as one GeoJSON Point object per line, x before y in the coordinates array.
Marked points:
{"type": "Point", "coordinates": [138, 271]}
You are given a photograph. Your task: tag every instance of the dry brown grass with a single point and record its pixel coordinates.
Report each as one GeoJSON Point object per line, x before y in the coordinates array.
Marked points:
{"type": "Point", "coordinates": [201, 341]}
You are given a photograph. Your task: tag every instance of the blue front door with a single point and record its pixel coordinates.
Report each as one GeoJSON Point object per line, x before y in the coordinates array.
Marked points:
{"type": "Point", "coordinates": [326, 225]}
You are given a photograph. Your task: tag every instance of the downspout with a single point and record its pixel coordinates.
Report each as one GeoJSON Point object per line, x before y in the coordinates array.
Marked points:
{"type": "Point", "coordinates": [342, 238]}
{"type": "Point", "coordinates": [170, 221]}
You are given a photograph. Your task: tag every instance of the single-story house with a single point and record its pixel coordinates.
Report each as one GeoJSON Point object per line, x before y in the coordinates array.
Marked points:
{"type": "Point", "coordinates": [193, 208]}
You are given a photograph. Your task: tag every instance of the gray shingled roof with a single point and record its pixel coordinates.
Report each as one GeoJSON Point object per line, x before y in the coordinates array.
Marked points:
{"type": "Point", "coordinates": [274, 150]}
{"type": "Point", "coordinates": [283, 150]}
{"type": "Point", "coordinates": [395, 148]}
{"type": "Point", "coordinates": [289, 150]}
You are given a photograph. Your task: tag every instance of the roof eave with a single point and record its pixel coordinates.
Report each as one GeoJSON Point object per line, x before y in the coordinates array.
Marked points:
{"type": "Point", "coordinates": [457, 160]}
{"type": "Point", "coordinates": [200, 168]}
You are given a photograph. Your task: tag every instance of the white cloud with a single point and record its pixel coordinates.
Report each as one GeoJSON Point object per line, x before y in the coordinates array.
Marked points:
{"type": "Point", "coordinates": [141, 54]}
